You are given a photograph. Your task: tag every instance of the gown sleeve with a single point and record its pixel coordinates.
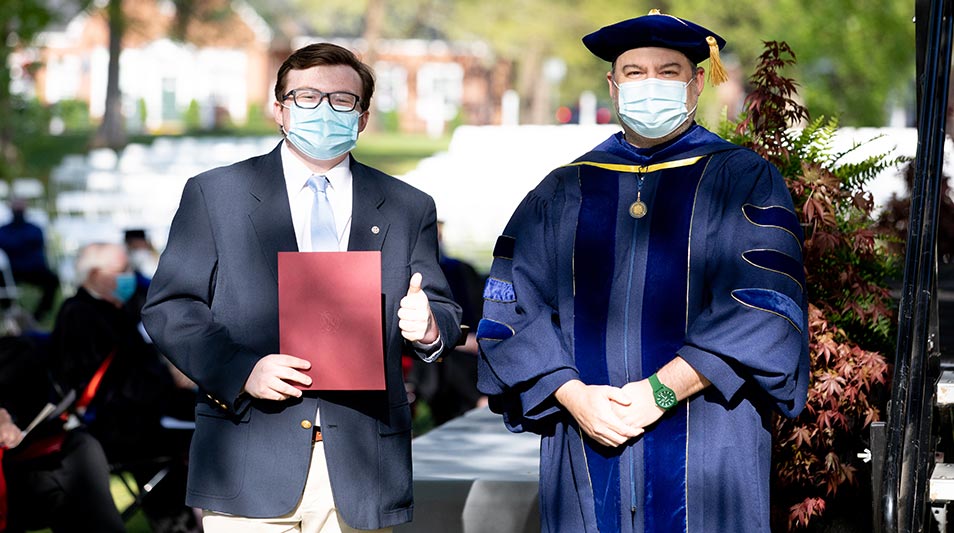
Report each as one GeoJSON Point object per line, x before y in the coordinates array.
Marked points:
{"type": "Point", "coordinates": [523, 356]}
{"type": "Point", "coordinates": [753, 328]}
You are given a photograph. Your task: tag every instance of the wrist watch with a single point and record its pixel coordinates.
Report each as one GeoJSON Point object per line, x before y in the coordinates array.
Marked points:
{"type": "Point", "coordinates": [664, 396]}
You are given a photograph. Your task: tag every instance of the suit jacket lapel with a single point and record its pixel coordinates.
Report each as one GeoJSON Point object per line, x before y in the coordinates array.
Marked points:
{"type": "Point", "coordinates": [270, 214]}
{"type": "Point", "coordinates": [369, 225]}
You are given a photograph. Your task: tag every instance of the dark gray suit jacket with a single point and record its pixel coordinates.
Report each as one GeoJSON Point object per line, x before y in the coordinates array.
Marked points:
{"type": "Point", "coordinates": [213, 310]}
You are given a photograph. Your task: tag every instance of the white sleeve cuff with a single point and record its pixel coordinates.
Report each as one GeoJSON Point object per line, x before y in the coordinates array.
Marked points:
{"type": "Point", "coordinates": [429, 352]}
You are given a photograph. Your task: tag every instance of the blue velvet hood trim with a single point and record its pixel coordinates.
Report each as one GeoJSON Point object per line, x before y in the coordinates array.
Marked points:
{"type": "Point", "coordinates": [696, 141]}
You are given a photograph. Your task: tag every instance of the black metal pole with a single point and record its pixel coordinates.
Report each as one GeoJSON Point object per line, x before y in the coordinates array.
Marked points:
{"type": "Point", "coordinates": [909, 445]}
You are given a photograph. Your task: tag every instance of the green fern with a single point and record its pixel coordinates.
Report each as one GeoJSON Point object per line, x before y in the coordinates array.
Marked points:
{"type": "Point", "coordinates": [814, 142]}
{"type": "Point", "coordinates": [856, 175]}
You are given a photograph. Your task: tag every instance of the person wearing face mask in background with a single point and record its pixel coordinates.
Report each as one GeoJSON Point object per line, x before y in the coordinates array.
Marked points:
{"type": "Point", "coordinates": [143, 256]}
{"type": "Point", "coordinates": [143, 260]}
{"type": "Point", "coordinates": [96, 339]}
{"type": "Point", "coordinates": [645, 311]}
{"type": "Point", "coordinates": [267, 456]}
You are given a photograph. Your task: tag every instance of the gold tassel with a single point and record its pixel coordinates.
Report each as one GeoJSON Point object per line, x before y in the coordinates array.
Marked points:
{"type": "Point", "coordinates": [717, 73]}
{"type": "Point", "coordinates": [654, 12]}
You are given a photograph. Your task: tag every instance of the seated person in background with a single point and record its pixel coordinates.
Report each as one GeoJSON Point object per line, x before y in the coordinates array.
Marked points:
{"type": "Point", "coordinates": [93, 332]}
{"type": "Point", "coordinates": [143, 260]}
{"type": "Point", "coordinates": [54, 478]}
{"type": "Point", "coordinates": [143, 256]}
{"type": "Point", "coordinates": [26, 248]}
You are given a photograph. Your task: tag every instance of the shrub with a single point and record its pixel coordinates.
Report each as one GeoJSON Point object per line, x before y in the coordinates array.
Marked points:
{"type": "Point", "coordinates": [74, 114]}
{"type": "Point", "coordinates": [192, 118]}
{"type": "Point", "coordinates": [851, 326]}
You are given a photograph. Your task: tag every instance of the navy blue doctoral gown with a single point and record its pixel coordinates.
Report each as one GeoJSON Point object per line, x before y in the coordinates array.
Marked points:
{"type": "Point", "coordinates": [580, 289]}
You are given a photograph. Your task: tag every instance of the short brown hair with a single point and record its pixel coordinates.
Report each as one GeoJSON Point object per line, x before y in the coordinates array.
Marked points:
{"type": "Point", "coordinates": [327, 54]}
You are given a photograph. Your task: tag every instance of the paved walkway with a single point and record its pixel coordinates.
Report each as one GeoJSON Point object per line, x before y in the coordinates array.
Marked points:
{"type": "Point", "coordinates": [471, 475]}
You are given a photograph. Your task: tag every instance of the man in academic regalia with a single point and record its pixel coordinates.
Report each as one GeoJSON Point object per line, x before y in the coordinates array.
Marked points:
{"type": "Point", "coordinates": [646, 309]}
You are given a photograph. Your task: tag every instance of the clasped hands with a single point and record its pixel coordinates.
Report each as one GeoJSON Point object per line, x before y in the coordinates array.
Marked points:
{"type": "Point", "coordinates": [273, 376]}
{"type": "Point", "coordinates": [610, 415]}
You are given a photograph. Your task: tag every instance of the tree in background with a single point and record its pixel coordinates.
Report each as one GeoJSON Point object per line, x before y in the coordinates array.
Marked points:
{"type": "Point", "coordinates": [195, 21]}
{"type": "Point", "coordinates": [20, 21]}
{"type": "Point", "coordinates": [528, 35]}
{"type": "Point", "coordinates": [112, 131]}
{"type": "Point", "coordinates": [856, 61]}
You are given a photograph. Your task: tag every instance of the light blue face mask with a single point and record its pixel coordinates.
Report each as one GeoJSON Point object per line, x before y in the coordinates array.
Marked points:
{"type": "Point", "coordinates": [323, 133]}
{"type": "Point", "coordinates": [125, 287]}
{"type": "Point", "coordinates": [653, 108]}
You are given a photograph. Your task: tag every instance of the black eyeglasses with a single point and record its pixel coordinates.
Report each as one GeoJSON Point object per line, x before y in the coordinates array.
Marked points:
{"type": "Point", "coordinates": [340, 101]}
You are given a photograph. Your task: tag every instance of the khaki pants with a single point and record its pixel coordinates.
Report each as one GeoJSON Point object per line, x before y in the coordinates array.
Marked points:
{"type": "Point", "coordinates": [315, 513]}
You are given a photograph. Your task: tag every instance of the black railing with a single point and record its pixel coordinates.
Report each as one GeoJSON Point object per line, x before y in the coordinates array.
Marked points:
{"type": "Point", "coordinates": [909, 445]}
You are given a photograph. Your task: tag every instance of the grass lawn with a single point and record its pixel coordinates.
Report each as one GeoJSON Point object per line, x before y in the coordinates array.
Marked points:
{"type": "Point", "coordinates": [394, 153]}
{"type": "Point", "coordinates": [136, 524]}
{"type": "Point", "coordinates": [397, 153]}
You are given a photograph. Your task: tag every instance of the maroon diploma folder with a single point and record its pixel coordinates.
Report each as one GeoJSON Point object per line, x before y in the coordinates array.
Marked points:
{"type": "Point", "coordinates": [329, 312]}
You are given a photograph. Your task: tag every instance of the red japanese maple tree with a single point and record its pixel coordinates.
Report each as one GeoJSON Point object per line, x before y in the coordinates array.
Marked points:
{"type": "Point", "coordinates": [850, 321]}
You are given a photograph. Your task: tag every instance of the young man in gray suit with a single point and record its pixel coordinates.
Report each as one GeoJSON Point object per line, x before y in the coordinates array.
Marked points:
{"type": "Point", "coordinates": [266, 456]}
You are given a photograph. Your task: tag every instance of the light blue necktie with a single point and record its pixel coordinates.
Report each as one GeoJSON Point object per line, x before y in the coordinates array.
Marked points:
{"type": "Point", "coordinates": [324, 236]}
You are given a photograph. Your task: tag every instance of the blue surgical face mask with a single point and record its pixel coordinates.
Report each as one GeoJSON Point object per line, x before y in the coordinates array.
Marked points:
{"type": "Point", "coordinates": [322, 133]}
{"type": "Point", "coordinates": [653, 108]}
{"type": "Point", "coordinates": [125, 287]}
{"type": "Point", "coordinates": [144, 261]}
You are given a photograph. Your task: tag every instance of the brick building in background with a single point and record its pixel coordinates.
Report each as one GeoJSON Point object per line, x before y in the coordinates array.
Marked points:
{"type": "Point", "coordinates": [222, 68]}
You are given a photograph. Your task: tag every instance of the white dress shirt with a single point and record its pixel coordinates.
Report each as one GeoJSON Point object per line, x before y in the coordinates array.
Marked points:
{"type": "Point", "coordinates": [301, 199]}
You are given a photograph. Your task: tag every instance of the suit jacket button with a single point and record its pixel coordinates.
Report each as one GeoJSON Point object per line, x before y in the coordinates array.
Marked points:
{"type": "Point", "coordinates": [306, 424]}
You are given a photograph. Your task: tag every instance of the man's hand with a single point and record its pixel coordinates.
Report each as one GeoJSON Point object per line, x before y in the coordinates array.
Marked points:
{"type": "Point", "coordinates": [415, 317]}
{"type": "Point", "coordinates": [10, 434]}
{"type": "Point", "coordinates": [273, 374]}
{"type": "Point", "coordinates": [642, 410]}
{"type": "Point", "coordinates": [593, 408]}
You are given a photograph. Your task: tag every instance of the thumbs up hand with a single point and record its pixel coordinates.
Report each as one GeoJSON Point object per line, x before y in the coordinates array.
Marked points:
{"type": "Point", "coordinates": [414, 317]}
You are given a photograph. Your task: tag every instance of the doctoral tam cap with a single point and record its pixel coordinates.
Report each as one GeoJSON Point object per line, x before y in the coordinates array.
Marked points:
{"type": "Point", "coordinates": [663, 31]}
